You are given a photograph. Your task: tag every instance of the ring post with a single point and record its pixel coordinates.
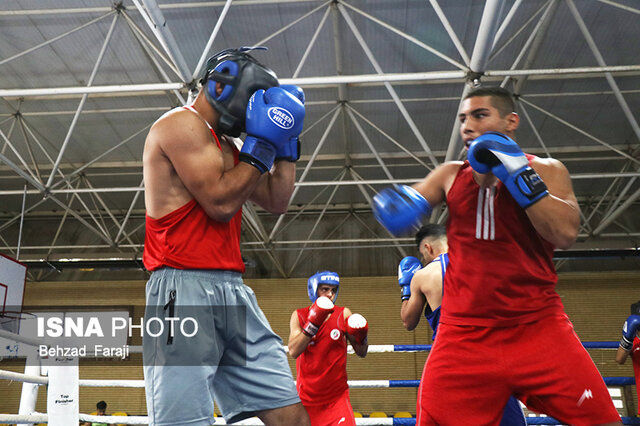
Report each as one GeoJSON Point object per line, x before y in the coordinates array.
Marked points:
{"type": "Point", "coordinates": [62, 394]}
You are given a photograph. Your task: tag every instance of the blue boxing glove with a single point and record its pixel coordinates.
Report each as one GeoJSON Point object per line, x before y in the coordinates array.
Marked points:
{"type": "Point", "coordinates": [499, 154]}
{"type": "Point", "coordinates": [629, 330]}
{"type": "Point", "coordinates": [274, 120]}
{"type": "Point", "coordinates": [406, 270]}
{"type": "Point", "coordinates": [399, 208]}
{"type": "Point", "coordinates": [291, 151]}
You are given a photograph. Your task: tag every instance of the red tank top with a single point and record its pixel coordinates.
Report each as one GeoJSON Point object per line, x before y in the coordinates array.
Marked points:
{"type": "Point", "coordinates": [635, 358]}
{"type": "Point", "coordinates": [501, 271]}
{"type": "Point", "coordinates": [322, 367]}
{"type": "Point", "coordinates": [187, 238]}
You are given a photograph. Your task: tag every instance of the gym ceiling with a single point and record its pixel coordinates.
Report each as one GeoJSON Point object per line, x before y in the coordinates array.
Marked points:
{"type": "Point", "coordinates": [81, 82]}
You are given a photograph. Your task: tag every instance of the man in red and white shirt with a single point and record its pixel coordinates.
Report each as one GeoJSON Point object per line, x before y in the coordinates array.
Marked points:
{"type": "Point", "coordinates": [318, 342]}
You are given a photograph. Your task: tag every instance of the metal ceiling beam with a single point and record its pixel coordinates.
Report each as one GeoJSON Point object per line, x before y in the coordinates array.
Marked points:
{"type": "Point", "coordinates": [614, 183]}
{"type": "Point", "coordinates": [479, 57]}
{"type": "Point", "coordinates": [167, 6]}
{"type": "Point", "coordinates": [256, 227]}
{"type": "Point", "coordinates": [309, 103]}
{"type": "Point", "coordinates": [452, 34]}
{"type": "Point", "coordinates": [56, 38]}
{"type": "Point", "coordinates": [110, 260]}
{"type": "Point", "coordinates": [516, 34]}
{"type": "Point", "coordinates": [613, 216]}
{"type": "Point", "coordinates": [612, 83]}
{"type": "Point", "coordinates": [389, 181]}
{"type": "Point", "coordinates": [486, 35]}
{"type": "Point", "coordinates": [316, 223]}
{"type": "Point", "coordinates": [300, 211]}
{"type": "Point", "coordinates": [391, 139]}
{"type": "Point", "coordinates": [149, 48]}
{"type": "Point", "coordinates": [533, 127]}
{"type": "Point", "coordinates": [108, 211]}
{"type": "Point", "coordinates": [337, 48]}
{"type": "Point", "coordinates": [158, 24]}
{"type": "Point", "coordinates": [74, 121]}
{"type": "Point", "coordinates": [128, 215]}
{"type": "Point", "coordinates": [405, 36]}
{"type": "Point", "coordinates": [97, 158]}
{"type": "Point", "coordinates": [357, 177]}
{"type": "Point", "coordinates": [312, 43]}
{"type": "Point", "coordinates": [387, 85]}
{"type": "Point", "coordinates": [621, 6]}
{"type": "Point", "coordinates": [505, 23]}
{"type": "Point", "coordinates": [198, 70]}
{"type": "Point", "coordinates": [532, 45]}
{"type": "Point", "coordinates": [141, 35]}
{"type": "Point", "coordinates": [302, 177]}
{"type": "Point", "coordinates": [15, 152]}
{"type": "Point", "coordinates": [436, 76]}
{"type": "Point", "coordinates": [72, 190]}
{"type": "Point", "coordinates": [134, 168]}
{"type": "Point", "coordinates": [51, 197]}
{"type": "Point", "coordinates": [373, 150]}
{"type": "Point", "coordinates": [537, 42]}
{"type": "Point", "coordinates": [577, 129]}
{"type": "Point", "coordinates": [291, 24]}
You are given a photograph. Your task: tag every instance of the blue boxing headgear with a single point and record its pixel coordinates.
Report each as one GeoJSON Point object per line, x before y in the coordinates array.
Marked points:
{"type": "Point", "coordinates": [242, 75]}
{"type": "Point", "coordinates": [324, 277]}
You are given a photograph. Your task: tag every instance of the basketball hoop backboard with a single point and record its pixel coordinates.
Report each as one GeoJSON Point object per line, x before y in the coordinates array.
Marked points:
{"type": "Point", "coordinates": [13, 275]}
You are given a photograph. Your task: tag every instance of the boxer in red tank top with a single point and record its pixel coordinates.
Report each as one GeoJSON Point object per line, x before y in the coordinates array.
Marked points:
{"type": "Point", "coordinates": [503, 330]}
{"type": "Point", "coordinates": [197, 176]}
{"type": "Point", "coordinates": [318, 342]}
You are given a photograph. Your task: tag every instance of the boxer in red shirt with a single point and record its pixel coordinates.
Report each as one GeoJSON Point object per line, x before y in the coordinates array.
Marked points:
{"type": "Point", "coordinates": [197, 176]}
{"type": "Point", "coordinates": [503, 330]}
{"type": "Point", "coordinates": [318, 342]}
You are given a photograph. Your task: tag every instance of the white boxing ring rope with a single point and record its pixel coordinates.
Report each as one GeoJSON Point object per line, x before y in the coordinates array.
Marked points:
{"type": "Point", "coordinates": [353, 384]}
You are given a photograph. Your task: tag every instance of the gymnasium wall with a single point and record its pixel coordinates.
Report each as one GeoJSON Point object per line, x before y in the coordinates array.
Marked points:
{"type": "Point", "coordinates": [596, 303]}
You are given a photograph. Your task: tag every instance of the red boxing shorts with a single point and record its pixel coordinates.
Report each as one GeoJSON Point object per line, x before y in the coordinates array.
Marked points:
{"type": "Point", "coordinates": [471, 372]}
{"type": "Point", "coordinates": [335, 413]}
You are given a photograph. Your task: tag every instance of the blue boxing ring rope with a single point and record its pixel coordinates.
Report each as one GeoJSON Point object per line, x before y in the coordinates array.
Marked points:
{"type": "Point", "coordinates": [422, 348]}
{"type": "Point", "coordinates": [35, 417]}
{"type": "Point", "coordinates": [609, 381]}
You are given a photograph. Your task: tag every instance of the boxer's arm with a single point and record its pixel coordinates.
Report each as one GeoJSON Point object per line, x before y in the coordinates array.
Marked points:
{"type": "Point", "coordinates": [557, 216]}
{"type": "Point", "coordinates": [274, 189]}
{"type": "Point", "coordinates": [400, 208]}
{"type": "Point", "coordinates": [426, 287]}
{"type": "Point", "coordinates": [621, 355]}
{"type": "Point", "coordinates": [436, 184]}
{"type": "Point", "coordinates": [360, 349]}
{"type": "Point", "coordinates": [187, 143]}
{"type": "Point", "coordinates": [298, 341]}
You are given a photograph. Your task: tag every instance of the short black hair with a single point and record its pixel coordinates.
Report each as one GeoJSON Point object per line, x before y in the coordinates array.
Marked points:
{"type": "Point", "coordinates": [101, 405]}
{"type": "Point", "coordinates": [501, 98]}
{"type": "Point", "coordinates": [430, 230]}
{"type": "Point", "coordinates": [635, 308]}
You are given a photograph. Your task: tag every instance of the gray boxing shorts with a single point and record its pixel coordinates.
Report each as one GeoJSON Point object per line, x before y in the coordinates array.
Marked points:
{"type": "Point", "coordinates": [234, 358]}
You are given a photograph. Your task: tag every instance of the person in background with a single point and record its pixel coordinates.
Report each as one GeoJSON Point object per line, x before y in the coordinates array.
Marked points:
{"type": "Point", "coordinates": [422, 288]}
{"type": "Point", "coordinates": [101, 410]}
{"type": "Point", "coordinates": [318, 342]}
{"type": "Point", "coordinates": [630, 344]}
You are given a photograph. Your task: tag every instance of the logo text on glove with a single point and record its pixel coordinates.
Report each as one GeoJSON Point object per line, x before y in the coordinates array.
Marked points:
{"type": "Point", "coordinates": [281, 117]}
